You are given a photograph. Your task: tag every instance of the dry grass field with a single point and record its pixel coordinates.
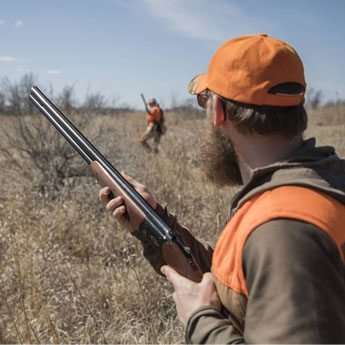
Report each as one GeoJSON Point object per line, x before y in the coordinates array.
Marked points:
{"type": "Point", "coordinates": [68, 272]}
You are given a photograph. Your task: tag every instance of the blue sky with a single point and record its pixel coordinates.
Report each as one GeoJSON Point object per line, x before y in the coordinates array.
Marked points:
{"type": "Point", "coordinates": [122, 48]}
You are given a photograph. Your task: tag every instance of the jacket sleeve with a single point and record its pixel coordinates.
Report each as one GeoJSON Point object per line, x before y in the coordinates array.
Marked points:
{"type": "Point", "coordinates": [295, 280]}
{"type": "Point", "coordinates": [201, 250]}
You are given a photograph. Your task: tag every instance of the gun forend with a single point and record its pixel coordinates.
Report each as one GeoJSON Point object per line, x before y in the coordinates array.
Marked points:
{"type": "Point", "coordinates": [135, 214]}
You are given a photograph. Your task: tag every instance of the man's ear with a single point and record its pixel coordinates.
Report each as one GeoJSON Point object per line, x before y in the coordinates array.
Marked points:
{"type": "Point", "coordinates": [218, 112]}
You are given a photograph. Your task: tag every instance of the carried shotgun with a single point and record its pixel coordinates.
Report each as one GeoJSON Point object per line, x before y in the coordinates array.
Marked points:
{"type": "Point", "coordinates": [140, 214]}
{"type": "Point", "coordinates": [144, 100]}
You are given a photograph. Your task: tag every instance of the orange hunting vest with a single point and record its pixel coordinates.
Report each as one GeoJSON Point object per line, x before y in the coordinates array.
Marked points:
{"type": "Point", "coordinates": [293, 202]}
{"type": "Point", "coordinates": [154, 116]}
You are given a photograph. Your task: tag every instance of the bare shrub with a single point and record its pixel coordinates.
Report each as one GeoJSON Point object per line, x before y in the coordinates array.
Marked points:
{"type": "Point", "coordinates": [2, 102]}
{"type": "Point", "coordinates": [14, 99]}
{"type": "Point", "coordinates": [94, 103]}
{"type": "Point", "coordinates": [15, 95]}
{"type": "Point", "coordinates": [313, 98]}
{"type": "Point", "coordinates": [66, 99]}
{"type": "Point", "coordinates": [39, 156]}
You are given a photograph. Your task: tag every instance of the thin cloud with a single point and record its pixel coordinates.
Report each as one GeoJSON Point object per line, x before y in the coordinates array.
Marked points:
{"type": "Point", "coordinates": [53, 71]}
{"type": "Point", "coordinates": [2, 22]}
{"type": "Point", "coordinates": [201, 18]}
{"type": "Point", "coordinates": [24, 70]}
{"type": "Point", "coordinates": [18, 23]}
{"type": "Point", "coordinates": [7, 59]}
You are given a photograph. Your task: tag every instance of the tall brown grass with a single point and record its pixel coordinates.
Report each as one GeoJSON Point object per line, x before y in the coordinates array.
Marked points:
{"type": "Point", "coordinates": [70, 274]}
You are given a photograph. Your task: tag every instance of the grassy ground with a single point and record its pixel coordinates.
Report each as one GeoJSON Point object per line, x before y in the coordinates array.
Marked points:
{"type": "Point", "coordinates": [69, 274]}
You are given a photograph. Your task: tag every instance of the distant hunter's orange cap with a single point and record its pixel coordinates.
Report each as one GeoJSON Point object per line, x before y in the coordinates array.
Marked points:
{"type": "Point", "coordinates": [246, 68]}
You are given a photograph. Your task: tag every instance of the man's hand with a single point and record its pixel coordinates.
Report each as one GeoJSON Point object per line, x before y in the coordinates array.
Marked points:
{"type": "Point", "coordinates": [190, 296]}
{"type": "Point", "coordinates": [116, 206]}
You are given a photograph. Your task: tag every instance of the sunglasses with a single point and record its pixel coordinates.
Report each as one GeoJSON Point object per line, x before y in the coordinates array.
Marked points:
{"type": "Point", "coordinates": [205, 95]}
{"type": "Point", "coordinates": [202, 98]}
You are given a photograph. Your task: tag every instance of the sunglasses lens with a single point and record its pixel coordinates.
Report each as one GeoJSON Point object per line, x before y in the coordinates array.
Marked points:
{"type": "Point", "coordinates": [202, 99]}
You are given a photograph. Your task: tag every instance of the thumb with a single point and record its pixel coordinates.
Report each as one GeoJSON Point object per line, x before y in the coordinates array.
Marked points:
{"type": "Point", "coordinates": [174, 277]}
{"type": "Point", "coordinates": [131, 180]}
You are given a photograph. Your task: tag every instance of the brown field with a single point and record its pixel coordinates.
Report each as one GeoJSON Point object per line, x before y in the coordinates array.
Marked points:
{"type": "Point", "coordinates": [69, 273]}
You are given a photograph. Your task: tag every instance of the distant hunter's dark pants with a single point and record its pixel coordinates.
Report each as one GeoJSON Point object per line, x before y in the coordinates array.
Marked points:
{"type": "Point", "coordinates": [151, 133]}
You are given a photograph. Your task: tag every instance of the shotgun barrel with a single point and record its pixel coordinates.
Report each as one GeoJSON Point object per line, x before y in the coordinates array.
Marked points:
{"type": "Point", "coordinates": [144, 100]}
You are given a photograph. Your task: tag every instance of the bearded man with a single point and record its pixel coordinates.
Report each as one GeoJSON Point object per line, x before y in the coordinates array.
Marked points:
{"type": "Point", "coordinates": [278, 266]}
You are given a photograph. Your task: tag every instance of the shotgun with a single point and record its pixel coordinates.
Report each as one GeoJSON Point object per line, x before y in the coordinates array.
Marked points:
{"type": "Point", "coordinates": [146, 107]}
{"type": "Point", "coordinates": [139, 212]}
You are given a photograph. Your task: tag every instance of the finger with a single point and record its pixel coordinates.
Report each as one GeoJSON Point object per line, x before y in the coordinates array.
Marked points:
{"type": "Point", "coordinates": [141, 189]}
{"type": "Point", "coordinates": [207, 279]}
{"type": "Point", "coordinates": [174, 277]}
{"type": "Point", "coordinates": [119, 213]}
{"type": "Point", "coordinates": [131, 180]}
{"type": "Point", "coordinates": [114, 203]}
{"type": "Point", "coordinates": [104, 195]}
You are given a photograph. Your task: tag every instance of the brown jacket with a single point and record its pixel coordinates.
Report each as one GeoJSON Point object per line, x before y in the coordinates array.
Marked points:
{"type": "Point", "coordinates": [293, 272]}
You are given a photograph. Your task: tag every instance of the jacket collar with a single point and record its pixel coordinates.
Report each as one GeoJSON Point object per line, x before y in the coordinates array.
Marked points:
{"type": "Point", "coordinates": [310, 166]}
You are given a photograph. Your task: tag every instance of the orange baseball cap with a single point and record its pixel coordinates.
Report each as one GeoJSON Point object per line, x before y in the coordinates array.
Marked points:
{"type": "Point", "coordinates": [246, 68]}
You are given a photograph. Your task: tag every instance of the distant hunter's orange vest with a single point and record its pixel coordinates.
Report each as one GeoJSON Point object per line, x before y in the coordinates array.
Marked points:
{"type": "Point", "coordinates": [293, 202]}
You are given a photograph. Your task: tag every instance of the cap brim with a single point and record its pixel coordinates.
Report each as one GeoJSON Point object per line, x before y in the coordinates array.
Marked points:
{"type": "Point", "coordinates": [198, 84]}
